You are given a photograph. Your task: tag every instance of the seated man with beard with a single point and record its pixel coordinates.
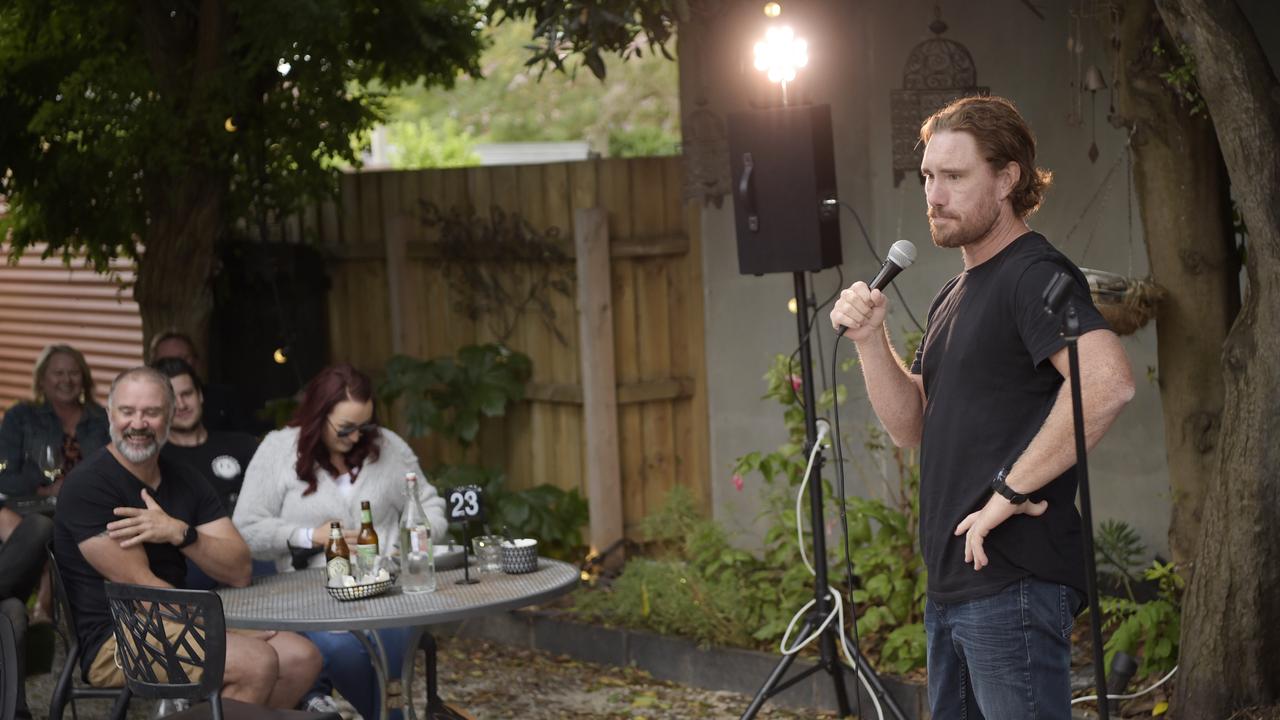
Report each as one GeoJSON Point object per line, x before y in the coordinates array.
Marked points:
{"type": "Point", "coordinates": [128, 515]}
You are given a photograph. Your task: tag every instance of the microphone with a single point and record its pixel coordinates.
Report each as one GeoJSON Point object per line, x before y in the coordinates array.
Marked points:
{"type": "Point", "coordinates": [900, 257]}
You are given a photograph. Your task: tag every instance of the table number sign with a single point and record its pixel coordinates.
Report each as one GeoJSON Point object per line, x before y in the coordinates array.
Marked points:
{"type": "Point", "coordinates": [466, 504]}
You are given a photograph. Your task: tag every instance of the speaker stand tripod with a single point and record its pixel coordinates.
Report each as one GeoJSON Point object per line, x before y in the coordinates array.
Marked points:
{"type": "Point", "coordinates": [833, 633]}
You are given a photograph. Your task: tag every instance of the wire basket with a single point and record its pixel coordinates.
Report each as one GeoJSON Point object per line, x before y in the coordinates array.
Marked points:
{"type": "Point", "coordinates": [360, 592]}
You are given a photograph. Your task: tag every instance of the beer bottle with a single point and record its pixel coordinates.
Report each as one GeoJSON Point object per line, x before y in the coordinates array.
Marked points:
{"type": "Point", "coordinates": [367, 542]}
{"type": "Point", "coordinates": [337, 557]}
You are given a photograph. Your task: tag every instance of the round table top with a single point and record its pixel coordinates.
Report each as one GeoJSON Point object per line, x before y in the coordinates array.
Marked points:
{"type": "Point", "coordinates": [299, 601]}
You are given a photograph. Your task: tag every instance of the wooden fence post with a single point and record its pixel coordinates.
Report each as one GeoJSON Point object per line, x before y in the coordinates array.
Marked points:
{"type": "Point", "coordinates": [599, 378]}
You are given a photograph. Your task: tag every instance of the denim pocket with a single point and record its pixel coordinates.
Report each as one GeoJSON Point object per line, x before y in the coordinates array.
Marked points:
{"type": "Point", "coordinates": [1070, 600]}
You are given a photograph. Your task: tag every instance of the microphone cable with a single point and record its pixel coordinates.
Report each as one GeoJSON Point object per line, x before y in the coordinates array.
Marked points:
{"type": "Point", "coordinates": [837, 601]}
{"type": "Point", "coordinates": [880, 261]}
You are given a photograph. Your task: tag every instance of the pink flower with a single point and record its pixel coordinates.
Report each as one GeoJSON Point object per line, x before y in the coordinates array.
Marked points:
{"type": "Point", "coordinates": [796, 382]}
{"type": "Point", "coordinates": [737, 482]}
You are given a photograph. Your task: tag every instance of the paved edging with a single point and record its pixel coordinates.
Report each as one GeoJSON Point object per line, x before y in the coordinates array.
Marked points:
{"type": "Point", "coordinates": [675, 659]}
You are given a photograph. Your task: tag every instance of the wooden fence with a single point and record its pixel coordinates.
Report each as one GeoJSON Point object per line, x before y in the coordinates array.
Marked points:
{"type": "Point", "coordinates": [389, 294]}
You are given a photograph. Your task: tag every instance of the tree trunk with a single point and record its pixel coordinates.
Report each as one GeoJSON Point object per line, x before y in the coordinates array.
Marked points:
{"type": "Point", "coordinates": [1182, 194]}
{"type": "Point", "coordinates": [173, 288]}
{"type": "Point", "coordinates": [1230, 650]}
{"type": "Point", "coordinates": [185, 200]}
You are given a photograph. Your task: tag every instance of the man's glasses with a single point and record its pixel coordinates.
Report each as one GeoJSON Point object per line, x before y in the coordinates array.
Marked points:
{"type": "Point", "coordinates": [347, 431]}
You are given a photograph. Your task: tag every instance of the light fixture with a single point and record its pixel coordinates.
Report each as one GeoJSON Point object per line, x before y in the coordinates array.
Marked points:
{"type": "Point", "coordinates": [281, 355]}
{"type": "Point", "coordinates": [772, 9]}
{"type": "Point", "coordinates": [780, 55]}
{"type": "Point", "coordinates": [229, 125]}
{"type": "Point", "coordinates": [791, 306]}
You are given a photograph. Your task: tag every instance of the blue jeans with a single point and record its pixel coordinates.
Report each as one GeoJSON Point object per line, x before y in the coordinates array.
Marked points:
{"type": "Point", "coordinates": [347, 666]}
{"type": "Point", "coordinates": [1002, 657]}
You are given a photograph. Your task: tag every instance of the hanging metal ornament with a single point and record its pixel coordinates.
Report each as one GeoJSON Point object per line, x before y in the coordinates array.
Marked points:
{"type": "Point", "coordinates": [938, 71]}
{"type": "Point", "coordinates": [1093, 82]}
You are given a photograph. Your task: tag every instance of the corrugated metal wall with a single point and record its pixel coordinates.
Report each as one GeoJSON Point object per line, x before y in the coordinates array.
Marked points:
{"type": "Point", "coordinates": [44, 302]}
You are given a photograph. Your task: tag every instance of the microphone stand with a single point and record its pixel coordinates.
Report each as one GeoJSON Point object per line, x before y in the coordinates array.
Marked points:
{"type": "Point", "coordinates": [1056, 296]}
{"type": "Point", "coordinates": [832, 634]}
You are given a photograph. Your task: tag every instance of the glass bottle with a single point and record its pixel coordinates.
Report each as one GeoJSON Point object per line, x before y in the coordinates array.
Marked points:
{"type": "Point", "coordinates": [417, 562]}
{"type": "Point", "coordinates": [367, 541]}
{"type": "Point", "coordinates": [337, 557]}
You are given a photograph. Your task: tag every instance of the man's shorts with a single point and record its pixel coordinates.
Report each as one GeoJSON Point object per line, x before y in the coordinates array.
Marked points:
{"type": "Point", "coordinates": [106, 672]}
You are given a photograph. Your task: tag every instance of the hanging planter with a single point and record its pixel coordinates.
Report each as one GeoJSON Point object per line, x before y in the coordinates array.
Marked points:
{"type": "Point", "coordinates": [1127, 303]}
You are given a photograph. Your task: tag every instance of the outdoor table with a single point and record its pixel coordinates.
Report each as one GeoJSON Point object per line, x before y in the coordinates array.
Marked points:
{"type": "Point", "coordinates": [298, 601]}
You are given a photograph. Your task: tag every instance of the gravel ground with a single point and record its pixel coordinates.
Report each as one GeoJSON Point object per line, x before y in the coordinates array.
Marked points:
{"type": "Point", "coordinates": [497, 682]}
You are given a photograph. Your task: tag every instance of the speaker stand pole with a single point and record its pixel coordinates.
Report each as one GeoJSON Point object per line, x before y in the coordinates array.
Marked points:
{"type": "Point", "coordinates": [833, 633]}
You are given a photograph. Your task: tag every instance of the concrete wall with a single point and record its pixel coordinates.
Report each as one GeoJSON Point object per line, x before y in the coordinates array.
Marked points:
{"type": "Point", "coordinates": [858, 55]}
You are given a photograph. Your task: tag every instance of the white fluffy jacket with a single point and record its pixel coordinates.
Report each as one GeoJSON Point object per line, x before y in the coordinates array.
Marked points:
{"type": "Point", "coordinates": [271, 505]}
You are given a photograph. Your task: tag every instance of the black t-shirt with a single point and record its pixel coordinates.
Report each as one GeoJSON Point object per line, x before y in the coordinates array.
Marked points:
{"type": "Point", "coordinates": [221, 459]}
{"type": "Point", "coordinates": [90, 494]}
{"type": "Point", "coordinates": [989, 387]}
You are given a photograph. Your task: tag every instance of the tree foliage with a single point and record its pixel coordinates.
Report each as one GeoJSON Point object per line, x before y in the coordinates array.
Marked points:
{"type": "Point", "coordinates": [633, 111]}
{"type": "Point", "coordinates": [591, 29]}
{"type": "Point", "coordinates": [104, 106]}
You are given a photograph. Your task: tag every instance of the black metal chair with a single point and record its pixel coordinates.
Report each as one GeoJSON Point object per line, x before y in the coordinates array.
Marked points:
{"type": "Point", "coordinates": [8, 670]}
{"type": "Point", "coordinates": [67, 690]}
{"type": "Point", "coordinates": [158, 666]}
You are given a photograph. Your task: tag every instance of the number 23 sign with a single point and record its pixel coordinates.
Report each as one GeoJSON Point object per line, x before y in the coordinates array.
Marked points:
{"type": "Point", "coordinates": [466, 504]}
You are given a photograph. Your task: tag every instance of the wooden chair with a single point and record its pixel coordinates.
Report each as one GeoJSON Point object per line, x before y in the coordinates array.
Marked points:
{"type": "Point", "coordinates": [67, 690]}
{"type": "Point", "coordinates": [156, 666]}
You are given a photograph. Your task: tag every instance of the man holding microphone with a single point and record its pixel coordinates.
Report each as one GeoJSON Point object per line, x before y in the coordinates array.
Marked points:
{"type": "Point", "coordinates": [987, 401]}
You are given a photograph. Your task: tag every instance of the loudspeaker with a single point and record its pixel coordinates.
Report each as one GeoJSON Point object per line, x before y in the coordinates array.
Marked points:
{"type": "Point", "coordinates": [784, 190]}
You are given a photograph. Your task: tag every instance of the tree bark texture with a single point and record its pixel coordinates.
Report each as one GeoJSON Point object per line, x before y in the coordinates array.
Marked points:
{"type": "Point", "coordinates": [1230, 649]}
{"type": "Point", "coordinates": [1183, 200]}
{"type": "Point", "coordinates": [174, 271]}
{"type": "Point", "coordinates": [185, 200]}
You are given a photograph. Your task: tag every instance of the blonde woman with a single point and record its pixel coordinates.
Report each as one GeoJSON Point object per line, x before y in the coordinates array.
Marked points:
{"type": "Point", "coordinates": [64, 423]}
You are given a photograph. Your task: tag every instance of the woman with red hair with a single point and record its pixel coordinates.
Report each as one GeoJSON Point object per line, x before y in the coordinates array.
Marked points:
{"type": "Point", "coordinates": [317, 470]}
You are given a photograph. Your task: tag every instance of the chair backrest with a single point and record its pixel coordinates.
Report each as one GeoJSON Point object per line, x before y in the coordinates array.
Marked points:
{"type": "Point", "coordinates": [171, 643]}
{"type": "Point", "coordinates": [8, 670]}
{"type": "Point", "coordinates": [62, 615]}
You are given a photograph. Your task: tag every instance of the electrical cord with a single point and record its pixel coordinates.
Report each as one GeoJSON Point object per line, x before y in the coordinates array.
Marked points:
{"type": "Point", "coordinates": [791, 360]}
{"type": "Point", "coordinates": [1140, 693]}
{"type": "Point", "coordinates": [879, 260]}
{"type": "Point", "coordinates": [837, 601]}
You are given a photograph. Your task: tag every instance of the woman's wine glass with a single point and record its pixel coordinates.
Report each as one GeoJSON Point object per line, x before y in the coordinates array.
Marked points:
{"type": "Point", "coordinates": [49, 459]}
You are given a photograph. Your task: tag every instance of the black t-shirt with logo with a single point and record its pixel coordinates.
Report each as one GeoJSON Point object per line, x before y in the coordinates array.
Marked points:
{"type": "Point", "coordinates": [90, 494]}
{"type": "Point", "coordinates": [989, 386]}
{"type": "Point", "coordinates": [222, 460]}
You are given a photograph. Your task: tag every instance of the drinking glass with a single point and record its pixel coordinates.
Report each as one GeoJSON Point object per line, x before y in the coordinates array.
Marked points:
{"type": "Point", "coordinates": [488, 551]}
{"type": "Point", "coordinates": [49, 460]}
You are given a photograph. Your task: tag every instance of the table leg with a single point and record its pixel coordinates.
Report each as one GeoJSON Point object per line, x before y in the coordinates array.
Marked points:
{"type": "Point", "coordinates": [406, 670]}
{"type": "Point", "coordinates": [390, 687]}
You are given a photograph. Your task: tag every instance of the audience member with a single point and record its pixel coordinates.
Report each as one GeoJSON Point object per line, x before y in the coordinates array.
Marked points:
{"type": "Point", "coordinates": [220, 457]}
{"type": "Point", "coordinates": [316, 471]}
{"type": "Point", "coordinates": [224, 408]}
{"type": "Point", "coordinates": [129, 515]}
{"type": "Point", "coordinates": [64, 419]}
{"type": "Point", "coordinates": [22, 543]}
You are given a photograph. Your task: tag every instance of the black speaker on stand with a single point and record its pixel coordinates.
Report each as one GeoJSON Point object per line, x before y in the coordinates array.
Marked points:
{"type": "Point", "coordinates": [784, 177]}
{"type": "Point", "coordinates": [786, 213]}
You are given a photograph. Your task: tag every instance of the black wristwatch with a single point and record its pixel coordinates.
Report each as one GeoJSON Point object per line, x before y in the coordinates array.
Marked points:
{"type": "Point", "coordinates": [189, 538]}
{"type": "Point", "coordinates": [998, 484]}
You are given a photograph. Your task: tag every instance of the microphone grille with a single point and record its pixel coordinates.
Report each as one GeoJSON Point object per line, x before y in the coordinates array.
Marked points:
{"type": "Point", "coordinates": [903, 253]}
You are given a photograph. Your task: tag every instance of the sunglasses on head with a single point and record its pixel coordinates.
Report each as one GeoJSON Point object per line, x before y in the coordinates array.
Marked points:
{"type": "Point", "coordinates": [347, 431]}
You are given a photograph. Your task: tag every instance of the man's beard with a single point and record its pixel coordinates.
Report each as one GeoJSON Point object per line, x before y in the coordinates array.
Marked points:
{"type": "Point", "coordinates": [137, 455]}
{"type": "Point", "coordinates": [965, 232]}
